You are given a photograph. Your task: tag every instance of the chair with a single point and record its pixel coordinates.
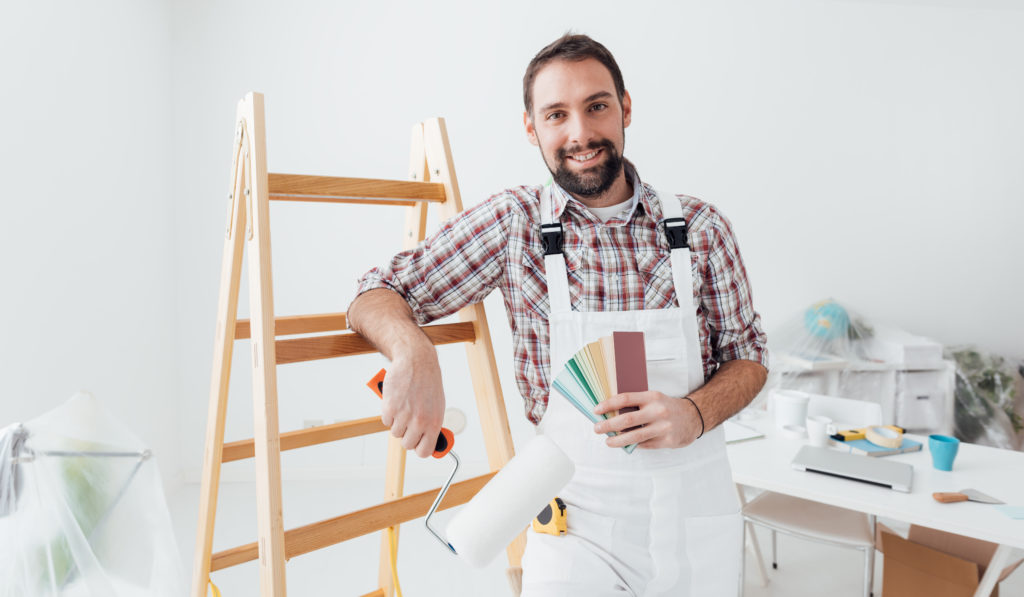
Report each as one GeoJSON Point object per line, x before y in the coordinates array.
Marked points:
{"type": "Point", "coordinates": [815, 521]}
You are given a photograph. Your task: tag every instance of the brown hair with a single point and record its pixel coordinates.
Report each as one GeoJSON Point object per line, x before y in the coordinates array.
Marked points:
{"type": "Point", "coordinates": [573, 47]}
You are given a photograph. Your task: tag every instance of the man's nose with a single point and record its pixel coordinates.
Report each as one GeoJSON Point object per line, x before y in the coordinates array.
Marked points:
{"type": "Point", "coordinates": [580, 131]}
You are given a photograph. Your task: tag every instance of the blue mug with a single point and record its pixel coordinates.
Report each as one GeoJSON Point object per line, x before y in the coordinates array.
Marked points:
{"type": "Point", "coordinates": [943, 449]}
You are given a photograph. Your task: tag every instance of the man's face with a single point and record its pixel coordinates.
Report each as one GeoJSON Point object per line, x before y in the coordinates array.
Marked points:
{"type": "Point", "coordinates": [578, 123]}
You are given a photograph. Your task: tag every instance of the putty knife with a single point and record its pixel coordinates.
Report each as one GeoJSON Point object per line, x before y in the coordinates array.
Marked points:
{"type": "Point", "coordinates": [964, 495]}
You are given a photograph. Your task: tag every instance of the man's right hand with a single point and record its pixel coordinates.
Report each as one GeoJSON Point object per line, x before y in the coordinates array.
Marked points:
{"type": "Point", "coordinates": [414, 399]}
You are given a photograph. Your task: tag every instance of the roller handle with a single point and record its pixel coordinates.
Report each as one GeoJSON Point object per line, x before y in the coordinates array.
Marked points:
{"type": "Point", "coordinates": [949, 497]}
{"type": "Point", "coordinates": [445, 439]}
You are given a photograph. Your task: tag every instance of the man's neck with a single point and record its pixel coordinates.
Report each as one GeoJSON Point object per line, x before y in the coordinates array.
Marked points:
{"type": "Point", "coordinates": [621, 190]}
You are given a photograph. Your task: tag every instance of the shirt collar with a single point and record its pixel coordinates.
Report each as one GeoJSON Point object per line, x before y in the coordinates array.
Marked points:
{"type": "Point", "coordinates": [642, 196]}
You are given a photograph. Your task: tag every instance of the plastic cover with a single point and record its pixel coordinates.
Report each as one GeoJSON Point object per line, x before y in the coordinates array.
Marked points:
{"type": "Point", "coordinates": [986, 390]}
{"type": "Point", "coordinates": [82, 509]}
{"type": "Point", "coordinates": [831, 349]}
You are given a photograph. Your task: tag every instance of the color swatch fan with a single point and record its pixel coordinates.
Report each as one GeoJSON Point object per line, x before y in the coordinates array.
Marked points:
{"type": "Point", "coordinates": [608, 366]}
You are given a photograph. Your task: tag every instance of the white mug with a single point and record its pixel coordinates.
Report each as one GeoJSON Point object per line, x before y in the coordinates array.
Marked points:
{"type": "Point", "coordinates": [790, 407]}
{"type": "Point", "coordinates": [819, 429]}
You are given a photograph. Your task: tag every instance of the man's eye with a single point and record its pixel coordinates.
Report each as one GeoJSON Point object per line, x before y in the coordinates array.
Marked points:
{"type": "Point", "coordinates": [598, 107]}
{"type": "Point", "coordinates": [554, 116]}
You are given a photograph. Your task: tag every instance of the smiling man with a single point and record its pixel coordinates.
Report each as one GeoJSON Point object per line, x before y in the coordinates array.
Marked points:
{"type": "Point", "coordinates": [595, 252]}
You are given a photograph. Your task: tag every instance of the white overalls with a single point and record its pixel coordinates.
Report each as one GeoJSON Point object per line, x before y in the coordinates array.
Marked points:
{"type": "Point", "coordinates": [654, 522]}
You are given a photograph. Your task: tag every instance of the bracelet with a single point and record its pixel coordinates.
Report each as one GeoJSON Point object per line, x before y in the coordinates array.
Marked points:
{"type": "Point", "coordinates": [698, 414]}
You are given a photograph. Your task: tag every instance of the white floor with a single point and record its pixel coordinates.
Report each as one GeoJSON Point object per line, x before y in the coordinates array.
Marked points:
{"type": "Point", "coordinates": [425, 568]}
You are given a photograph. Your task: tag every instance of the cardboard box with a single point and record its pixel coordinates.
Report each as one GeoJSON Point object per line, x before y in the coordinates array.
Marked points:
{"type": "Point", "coordinates": [931, 563]}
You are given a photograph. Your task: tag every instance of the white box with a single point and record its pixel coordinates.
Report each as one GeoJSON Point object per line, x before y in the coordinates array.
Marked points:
{"type": "Point", "coordinates": [904, 349]}
{"type": "Point", "coordinates": [923, 399]}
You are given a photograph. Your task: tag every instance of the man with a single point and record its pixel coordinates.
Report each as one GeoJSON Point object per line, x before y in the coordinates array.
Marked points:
{"type": "Point", "coordinates": [664, 519]}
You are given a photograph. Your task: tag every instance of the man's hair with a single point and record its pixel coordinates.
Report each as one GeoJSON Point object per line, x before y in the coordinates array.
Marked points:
{"type": "Point", "coordinates": [574, 47]}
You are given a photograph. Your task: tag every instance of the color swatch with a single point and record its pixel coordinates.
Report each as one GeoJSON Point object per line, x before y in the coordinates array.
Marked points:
{"type": "Point", "coordinates": [608, 366]}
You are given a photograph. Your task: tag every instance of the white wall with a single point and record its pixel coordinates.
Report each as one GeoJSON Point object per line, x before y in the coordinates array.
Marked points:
{"type": "Point", "coordinates": [87, 282]}
{"type": "Point", "coordinates": [864, 150]}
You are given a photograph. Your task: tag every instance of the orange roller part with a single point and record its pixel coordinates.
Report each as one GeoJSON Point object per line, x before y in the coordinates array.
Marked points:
{"type": "Point", "coordinates": [377, 383]}
{"type": "Point", "coordinates": [445, 439]}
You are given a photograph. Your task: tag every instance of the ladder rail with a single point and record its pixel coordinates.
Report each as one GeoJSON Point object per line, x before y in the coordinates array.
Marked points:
{"type": "Point", "coordinates": [335, 189]}
{"type": "Point", "coordinates": [312, 436]}
{"type": "Point", "coordinates": [297, 324]}
{"type": "Point", "coordinates": [311, 537]}
{"type": "Point", "coordinates": [297, 350]}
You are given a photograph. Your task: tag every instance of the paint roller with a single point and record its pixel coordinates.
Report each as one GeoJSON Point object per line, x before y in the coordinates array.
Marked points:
{"type": "Point", "coordinates": [507, 504]}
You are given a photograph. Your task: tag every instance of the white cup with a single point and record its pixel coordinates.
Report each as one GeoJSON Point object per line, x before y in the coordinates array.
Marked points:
{"type": "Point", "coordinates": [790, 407]}
{"type": "Point", "coordinates": [819, 429]}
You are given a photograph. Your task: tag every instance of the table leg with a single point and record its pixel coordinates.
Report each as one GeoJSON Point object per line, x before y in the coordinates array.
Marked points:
{"type": "Point", "coordinates": [992, 572]}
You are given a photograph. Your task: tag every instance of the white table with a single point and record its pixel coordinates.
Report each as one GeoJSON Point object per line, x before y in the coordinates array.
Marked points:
{"type": "Point", "coordinates": [765, 464]}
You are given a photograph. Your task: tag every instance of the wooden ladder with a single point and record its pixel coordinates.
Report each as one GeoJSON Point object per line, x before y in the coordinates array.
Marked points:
{"type": "Point", "coordinates": [248, 229]}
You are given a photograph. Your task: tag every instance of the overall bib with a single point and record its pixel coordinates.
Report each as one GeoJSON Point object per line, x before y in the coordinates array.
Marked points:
{"type": "Point", "coordinates": [654, 522]}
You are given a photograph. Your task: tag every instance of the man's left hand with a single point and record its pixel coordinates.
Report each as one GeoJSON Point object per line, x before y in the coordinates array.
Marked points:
{"type": "Point", "coordinates": [666, 422]}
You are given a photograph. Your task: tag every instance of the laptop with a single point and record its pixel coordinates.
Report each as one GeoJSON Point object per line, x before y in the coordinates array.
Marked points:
{"type": "Point", "coordinates": [894, 475]}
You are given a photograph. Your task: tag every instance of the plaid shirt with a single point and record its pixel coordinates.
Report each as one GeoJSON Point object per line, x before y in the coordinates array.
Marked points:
{"type": "Point", "coordinates": [620, 265]}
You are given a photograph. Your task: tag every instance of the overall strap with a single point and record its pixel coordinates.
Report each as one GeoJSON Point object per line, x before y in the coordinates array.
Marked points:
{"type": "Point", "coordinates": [676, 233]}
{"type": "Point", "coordinates": [554, 260]}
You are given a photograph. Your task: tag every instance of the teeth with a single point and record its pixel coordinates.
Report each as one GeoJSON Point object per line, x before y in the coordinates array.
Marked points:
{"type": "Point", "coordinates": [585, 157]}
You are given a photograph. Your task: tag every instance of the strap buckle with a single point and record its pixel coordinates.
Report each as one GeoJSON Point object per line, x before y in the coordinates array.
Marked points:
{"type": "Point", "coordinates": [551, 237]}
{"type": "Point", "coordinates": [675, 233]}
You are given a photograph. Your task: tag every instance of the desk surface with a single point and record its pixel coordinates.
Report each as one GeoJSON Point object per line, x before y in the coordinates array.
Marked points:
{"type": "Point", "coordinates": [765, 463]}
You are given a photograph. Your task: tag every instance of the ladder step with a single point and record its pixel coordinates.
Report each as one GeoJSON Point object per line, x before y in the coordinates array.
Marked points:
{"type": "Point", "coordinates": [332, 189]}
{"type": "Point", "coordinates": [312, 436]}
{"type": "Point", "coordinates": [321, 534]}
{"type": "Point", "coordinates": [298, 350]}
{"type": "Point", "coordinates": [297, 324]}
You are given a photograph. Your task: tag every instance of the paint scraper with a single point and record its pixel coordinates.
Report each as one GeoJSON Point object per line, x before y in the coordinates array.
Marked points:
{"type": "Point", "coordinates": [964, 495]}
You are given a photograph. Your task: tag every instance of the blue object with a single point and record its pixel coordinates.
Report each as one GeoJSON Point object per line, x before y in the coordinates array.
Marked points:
{"type": "Point", "coordinates": [943, 449]}
{"type": "Point", "coordinates": [1012, 511]}
{"type": "Point", "coordinates": [863, 446]}
{"type": "Point", "coordinates": [827, 319]}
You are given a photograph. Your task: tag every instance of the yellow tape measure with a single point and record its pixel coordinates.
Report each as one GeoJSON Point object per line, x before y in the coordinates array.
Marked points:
{"type": "Point", "coordinates": [551, 519]}
{"type": "Point", "coordinates": [848, 435]}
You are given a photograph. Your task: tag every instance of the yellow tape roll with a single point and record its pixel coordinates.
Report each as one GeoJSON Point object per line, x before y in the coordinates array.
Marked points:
{"type": "Point", "coordinates": [886, 437]}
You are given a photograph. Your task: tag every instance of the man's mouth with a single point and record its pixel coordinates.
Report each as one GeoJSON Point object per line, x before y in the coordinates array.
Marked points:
{"type": "Point", "coordinates": [583, 158]}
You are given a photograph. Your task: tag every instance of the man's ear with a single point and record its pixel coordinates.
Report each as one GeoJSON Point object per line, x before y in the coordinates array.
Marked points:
{"type": "Point", "coordinates": [531, 133]}
{"type": "Point", "coordinates": [627, 109]}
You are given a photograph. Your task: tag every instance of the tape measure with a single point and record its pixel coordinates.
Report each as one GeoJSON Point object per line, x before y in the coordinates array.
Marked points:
{"type": "Point", "coordinates": [551, 519]}
{"type": "Point", "coordinates": [848, 435]}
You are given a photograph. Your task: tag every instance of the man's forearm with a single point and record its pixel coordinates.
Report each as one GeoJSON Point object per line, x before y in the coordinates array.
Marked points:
{"type": "Point", "coordinates": [730, 389]}
{"type": "Point", "coordinates": [413, 394]}
{"type": "Point", "coordinates": [384, 318]}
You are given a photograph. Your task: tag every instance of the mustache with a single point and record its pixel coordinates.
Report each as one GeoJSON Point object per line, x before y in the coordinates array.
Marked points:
{"type": "Point", "coordinates": [564, 153]}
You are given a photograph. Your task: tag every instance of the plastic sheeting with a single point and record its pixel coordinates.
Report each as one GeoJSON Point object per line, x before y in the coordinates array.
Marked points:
{"type": "Point", "coordinates": [831, 349]}
{"type": "Point", "coordinates": [82, 510]}
{"type": "Point", "coordinates": [986, 390]}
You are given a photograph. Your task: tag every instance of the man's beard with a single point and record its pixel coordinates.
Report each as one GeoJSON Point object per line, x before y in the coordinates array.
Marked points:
{"type": "Point", "coordinates": [593, 181]}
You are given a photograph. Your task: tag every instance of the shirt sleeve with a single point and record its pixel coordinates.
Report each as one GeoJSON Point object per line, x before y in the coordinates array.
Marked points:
{"type": "Point", "coordinates": [458, 265]}
{"type": "Point", "coordinates": [736, 331]}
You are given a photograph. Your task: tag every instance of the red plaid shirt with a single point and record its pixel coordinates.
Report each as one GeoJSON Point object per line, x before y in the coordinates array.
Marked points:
{"type": "Point", "coordinates": [617, 266]}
